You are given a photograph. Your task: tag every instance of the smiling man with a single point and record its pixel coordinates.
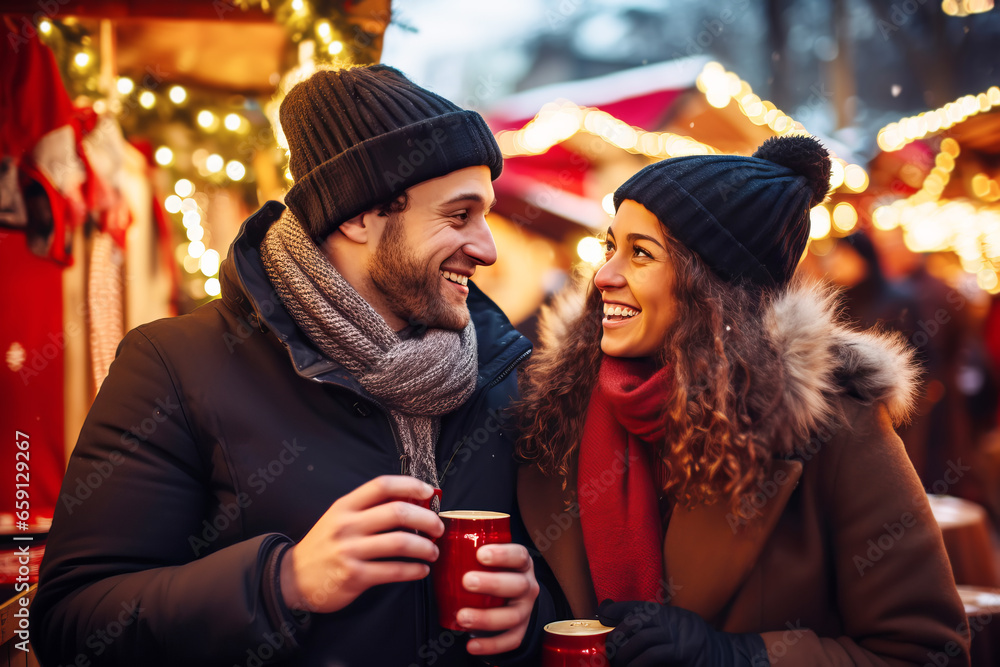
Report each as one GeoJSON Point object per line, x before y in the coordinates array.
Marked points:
{"type": "Point", "coordinates": [275, 517]}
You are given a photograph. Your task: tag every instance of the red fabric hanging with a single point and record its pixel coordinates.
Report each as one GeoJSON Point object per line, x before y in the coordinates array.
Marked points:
{"type": "Point", "coordinates": [31, 380]}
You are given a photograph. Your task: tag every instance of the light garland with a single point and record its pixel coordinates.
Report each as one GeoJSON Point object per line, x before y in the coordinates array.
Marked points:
{"type": "Point", "coordinates": [895, 136]}
{"type": "Point", "coordinates": [558, 121]}
{"type": "Point", "coordinates": [326, 22]}
{"type": "Point", "coordinates": [985, 188]}
{"type": "Point", "coordinates": [958, 226]}
{"type": "Point", "coordinates": [722, 87]}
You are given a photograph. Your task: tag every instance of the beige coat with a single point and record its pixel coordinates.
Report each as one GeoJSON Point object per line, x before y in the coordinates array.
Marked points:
{"type": "Point", "coordinates": [843, 563]}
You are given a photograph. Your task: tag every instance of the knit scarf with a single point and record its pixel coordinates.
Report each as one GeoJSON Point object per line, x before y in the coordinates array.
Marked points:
{"type": "Point", "coordinates": [416, 380]}
{"type": "Point", "coordinates": [616, 487]}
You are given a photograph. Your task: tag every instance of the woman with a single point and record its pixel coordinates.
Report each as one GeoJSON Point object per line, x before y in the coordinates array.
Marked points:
{"type": "Point", "coordinates": [710, 451]}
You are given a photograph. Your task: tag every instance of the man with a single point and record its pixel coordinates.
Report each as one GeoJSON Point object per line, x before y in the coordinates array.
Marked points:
{"type": "Point", "coordinates": [244, 489]}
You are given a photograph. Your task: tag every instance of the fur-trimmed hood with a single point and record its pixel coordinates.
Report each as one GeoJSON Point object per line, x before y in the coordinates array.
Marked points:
{"type": "Point", "coordinates": [822, 355]}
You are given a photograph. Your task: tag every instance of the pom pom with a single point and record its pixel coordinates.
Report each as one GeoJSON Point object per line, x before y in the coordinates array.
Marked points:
{"type": "Point", "coordinates": [803, 155]}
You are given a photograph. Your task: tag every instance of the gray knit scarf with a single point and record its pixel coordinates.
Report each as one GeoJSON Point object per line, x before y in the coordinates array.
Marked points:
{"type": "Point", "coordinates": [417, 380]}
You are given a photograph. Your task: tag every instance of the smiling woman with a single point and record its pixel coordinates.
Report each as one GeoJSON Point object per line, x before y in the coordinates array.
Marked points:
{"type": "Point", "coordinates": [636, 284]}
{"type": "Point", "coordinates": [757, 432]}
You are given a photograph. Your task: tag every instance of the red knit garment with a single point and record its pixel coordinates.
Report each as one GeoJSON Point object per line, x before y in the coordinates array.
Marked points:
{"type": "Point", "coordinates": [616, 488]}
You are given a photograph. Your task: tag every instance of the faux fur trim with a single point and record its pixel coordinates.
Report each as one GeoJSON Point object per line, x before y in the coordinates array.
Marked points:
{"type": "Point", "coordinates": [823, 356]}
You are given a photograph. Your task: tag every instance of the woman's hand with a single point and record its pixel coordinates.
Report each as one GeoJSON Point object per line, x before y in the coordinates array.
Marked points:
{"type": "Point", "coordinates": [647, 634]}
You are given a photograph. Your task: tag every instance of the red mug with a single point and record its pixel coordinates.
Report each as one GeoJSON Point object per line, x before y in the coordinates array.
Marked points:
{"type": "Point", "coordinates": [433, 503]}
{"type": "Point", "coordinates": [464, 532]}
{"type": "Point", "coordinates": [575, 643]}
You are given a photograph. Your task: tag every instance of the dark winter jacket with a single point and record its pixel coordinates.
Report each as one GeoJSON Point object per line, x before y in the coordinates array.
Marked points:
{"type": "Point", "coordinates": [218, 438]}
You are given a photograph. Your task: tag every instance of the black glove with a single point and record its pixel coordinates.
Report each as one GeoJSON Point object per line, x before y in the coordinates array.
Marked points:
{"type": "Point", "coordinates": [652, 635]}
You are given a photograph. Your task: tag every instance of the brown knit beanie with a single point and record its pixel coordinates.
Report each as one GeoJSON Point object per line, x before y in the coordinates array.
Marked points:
{"type": "Point", "coordinates": [359, 137]}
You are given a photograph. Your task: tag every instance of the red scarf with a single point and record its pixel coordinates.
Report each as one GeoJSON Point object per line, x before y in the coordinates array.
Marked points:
{"type": "Point", "coordinates": [616, 485]}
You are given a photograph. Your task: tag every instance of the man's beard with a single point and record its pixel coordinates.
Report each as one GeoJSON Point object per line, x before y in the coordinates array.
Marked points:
{"type": "Point", "coordinates": [412, 290]}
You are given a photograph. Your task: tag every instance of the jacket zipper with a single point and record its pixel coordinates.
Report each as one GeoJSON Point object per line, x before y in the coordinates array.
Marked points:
{"type": "Point", "coordinates": [497, 380]}
{"type": "Point", "coordinates": [510, 368]}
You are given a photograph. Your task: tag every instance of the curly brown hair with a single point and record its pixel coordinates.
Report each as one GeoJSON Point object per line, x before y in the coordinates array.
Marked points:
{"type": "Point", "coordinates": [727, 378]}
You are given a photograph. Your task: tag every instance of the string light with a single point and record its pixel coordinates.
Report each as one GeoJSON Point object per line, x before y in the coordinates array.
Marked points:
{"type": "Point", "coordinates": [845, 217]}
{"type": "Point", "coordinates": [819, 222]}
{"type": "Point", "coordinates": [45, 26]}
{"type": "Point", "coordinates": [184, 187]}
{"type": "Point", "coordinates": [195, 233]}
{"type": "Point", "coordinates": [895, 136]}
{"type": "Point", "coordinates": [335, 47]}
{"type": "Point", "coordinates": [855, 178]}
{"type": "Point", "coordinates": [939, 176]}
{"type": "Point", "coordinates": [556, 122]}
{"type": "Point", "coordinates": [191, 219]}
{"type": "Point", "coordinates": [235, 170]}
{"type": "Point", "coordinates": [177, 94]}
{"type": "Point", "coordinates": [590, 250]}
{"type": "Point", "coordinates": [196, 249]}
{"type": "Point", "coordinates": [213, 287]}
{"type": "Point", "coordinates": [206, 118]}
{"type": "Point", "coordinates": [885, 217]}
{"type": "Point", "coordinates": [836, 173]}
{"type": "Point", "coordinates": [82, 59]}
{"type": "Point", "coordinates": [233, 122]}
{"type": "Point", "coordinates": [209, 263]}
{"type": "Point", "coordinates": [172, 204]}
{"type": "Point", "coordinates": [147, 99]}
{"type": "Point", "coordinates": [608, 203]}
{"type": "Point", "coordinates": [722, 87]}
{"type": "Point", "coordinates": [985, 188]}
{"type": "Point", "coordinates": [931, 224]}
{"type": "Point", "coordinates": [164, 156]}
{"type": "Point", "coordinates": [214, 163]}
{"type": "Point", "coordinates": [125, 85]}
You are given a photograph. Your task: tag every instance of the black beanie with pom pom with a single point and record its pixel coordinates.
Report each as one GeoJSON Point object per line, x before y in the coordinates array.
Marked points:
{"type": "Point", "coordinates": [746, 217]}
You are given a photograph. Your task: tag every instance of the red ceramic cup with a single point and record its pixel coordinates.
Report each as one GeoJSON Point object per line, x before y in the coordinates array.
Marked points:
{"type": "Point", "coordinates": [433, 503]}
{"type": "Point", "coordinates": [576, 643]}
{"type": "Point", "coordinates": [464, 532]}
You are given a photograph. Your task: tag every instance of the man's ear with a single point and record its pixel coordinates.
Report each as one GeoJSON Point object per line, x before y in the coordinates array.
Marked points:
{"type": "Point", "coordinates": [363, 228]}
{"type": "Point", "coordinates": [354, 229]}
